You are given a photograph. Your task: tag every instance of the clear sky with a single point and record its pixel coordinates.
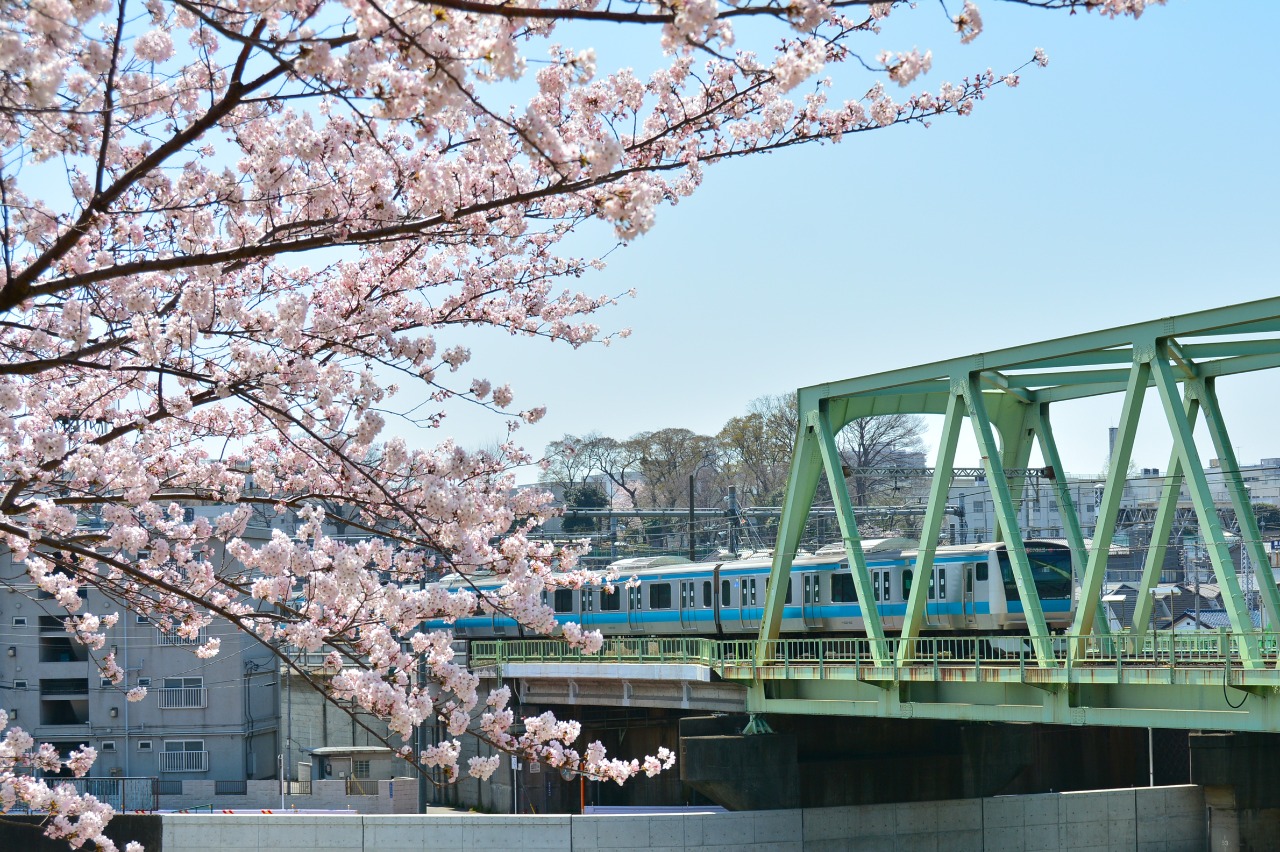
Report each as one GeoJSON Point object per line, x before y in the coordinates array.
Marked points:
{"type": "Point", "coordinates": [1134, 177]}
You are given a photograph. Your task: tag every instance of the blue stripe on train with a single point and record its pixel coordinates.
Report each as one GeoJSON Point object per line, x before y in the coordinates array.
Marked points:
{"type": "Point", "coordinates": [729, 616]}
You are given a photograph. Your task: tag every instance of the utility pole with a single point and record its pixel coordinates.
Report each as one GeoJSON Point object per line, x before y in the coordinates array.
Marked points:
{"type": "Point", "coordinates": [734, 520]}
{"type": "Point", "coordinates": [419, 739]}
{"type": "Point", "coordinates": [693, 552]}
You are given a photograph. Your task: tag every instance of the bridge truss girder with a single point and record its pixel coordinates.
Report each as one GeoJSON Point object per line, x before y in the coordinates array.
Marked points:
{"type": "Point", "coordinates": [1006, 397]}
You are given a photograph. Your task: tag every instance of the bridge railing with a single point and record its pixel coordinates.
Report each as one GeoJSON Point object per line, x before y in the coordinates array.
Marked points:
{"type": "Point", "coordinates": [668, 650]}
{"type": "Point", "coordinates": [729, 658]}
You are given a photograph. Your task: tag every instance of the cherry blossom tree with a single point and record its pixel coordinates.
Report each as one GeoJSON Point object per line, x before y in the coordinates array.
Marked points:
{"type": "Point", "coordinates": [243, 243]}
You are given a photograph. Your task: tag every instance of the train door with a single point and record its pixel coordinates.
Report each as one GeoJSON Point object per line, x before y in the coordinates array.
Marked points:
{"type": "Point", "coordinates": [688, 605]}
{"type": "Point", "coordinates": [810, 601]}
{"type": "Point", "coordinates": [749, 599]}
{"type": "Point", "coordinates": [731, 604]}
{"type": "Point", "coordinates": [633, 607]}
{"type": "Point", "coordinates": [968, 605]}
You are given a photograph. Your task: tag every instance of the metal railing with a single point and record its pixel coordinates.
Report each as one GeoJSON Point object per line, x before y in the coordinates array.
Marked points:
{"type": "Point", "coordinates": [675, 649]}
{"type": "Point", "coordinates": [173, 638]}
{"type": "Point", "coordinates": [362, 786]}
{"type": "Point", "coordinates": [183, 698]}
{"type": "Point", "coordinates": [184, 761]}
{"type": "Point", "coordinates": [123, 794]}
{"type": "Point", "coordinates": [729, 658]}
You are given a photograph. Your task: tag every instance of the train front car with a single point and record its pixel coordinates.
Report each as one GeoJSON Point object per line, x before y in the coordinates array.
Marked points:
{"type": "Point", "coordinates": [1050, 563]}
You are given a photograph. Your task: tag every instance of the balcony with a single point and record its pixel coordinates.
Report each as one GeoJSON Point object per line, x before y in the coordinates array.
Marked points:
{"type": "Point", "coordinates": [184, 761]}
{"type": "Point", "coordinates": [172, 638]}
{"type": "Point", "coordinates": [184, 698]}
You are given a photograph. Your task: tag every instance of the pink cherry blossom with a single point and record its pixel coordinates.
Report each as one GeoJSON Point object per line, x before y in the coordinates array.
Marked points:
{"type": "Point", "coordinates": [246, 250]}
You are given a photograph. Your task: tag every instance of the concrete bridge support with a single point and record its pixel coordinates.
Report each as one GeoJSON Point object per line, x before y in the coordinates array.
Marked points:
{"type": "Point", "coordinates": [1240, 773]}
{"type": "Point", "coordinates": [830, 761]}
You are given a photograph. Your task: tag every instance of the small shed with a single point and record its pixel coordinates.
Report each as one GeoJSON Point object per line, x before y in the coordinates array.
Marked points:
{"type": "Point", "coordinates": [359, 762]}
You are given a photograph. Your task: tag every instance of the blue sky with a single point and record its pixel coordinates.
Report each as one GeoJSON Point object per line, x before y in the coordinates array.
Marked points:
{"type": "Point", "coordinates": [1133, 178]}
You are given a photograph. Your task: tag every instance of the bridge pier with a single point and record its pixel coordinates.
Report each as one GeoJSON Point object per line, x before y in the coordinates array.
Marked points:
{"type": "Point", "coordinates": [833, 761]}
{"type": "Point", "coordinates": [1240, 773]}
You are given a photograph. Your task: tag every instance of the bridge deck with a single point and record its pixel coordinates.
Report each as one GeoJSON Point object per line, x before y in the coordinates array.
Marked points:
{"type": "Point", "coordinates": [1172, 681]}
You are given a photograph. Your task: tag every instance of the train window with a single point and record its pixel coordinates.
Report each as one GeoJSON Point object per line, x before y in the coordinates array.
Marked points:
{"type": "Point", "coordinates": [933, 584]}
{"type": "Point", "coordinates": [942, 584]}
{"type": "Point", "coordinates": [875, 584]}
{"type": "Point", "coordinates": [982, 572]}
{"type": "Point", "coordinates": [907, 576]}
{"type": "Point", "coordinates": [788, 591]}
{"type": "Point", "coordinates": [706, 593]}
{"type": "Point", "coordinates": [884, 582]}
{"type": "Point", "coordinates": [610, 601]}
{"type": "Point", "coordinates": [808, 596]}
{"type": "Point", "coordinates": [1050, 572]}
{"type": "Point", "coordinates": [564, 600]}
{"type": "Point", "coordinates": [752, 589]}
{"type": "Point", "coordinates": [842, 588]}
{"type": "Point", "coordinates": [586, 600]}
{"type": "Point", "coordinates": [726, 593]}
{"type": "Point", "coordinates": [660, 596]}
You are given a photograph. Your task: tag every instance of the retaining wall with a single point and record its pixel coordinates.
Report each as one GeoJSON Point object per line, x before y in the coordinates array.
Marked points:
{"type": "Point", "coordinates": [1160, 819]}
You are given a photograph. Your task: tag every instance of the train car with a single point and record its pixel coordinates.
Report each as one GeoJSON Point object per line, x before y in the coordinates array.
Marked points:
{"type": "Point", "coordinates": [972, 589]}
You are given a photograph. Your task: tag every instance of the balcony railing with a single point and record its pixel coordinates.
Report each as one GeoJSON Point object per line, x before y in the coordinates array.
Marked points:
{"type": "Point", "coordinates": [172, 638]}
{"type": "Point", "coordinates": [186, 698]}
{"type": "Point", "coordinates": [184, 761]}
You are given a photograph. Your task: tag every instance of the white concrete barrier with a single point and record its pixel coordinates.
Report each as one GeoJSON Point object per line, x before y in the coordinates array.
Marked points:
{"type": "Point", "coordinates": [1160, 819]}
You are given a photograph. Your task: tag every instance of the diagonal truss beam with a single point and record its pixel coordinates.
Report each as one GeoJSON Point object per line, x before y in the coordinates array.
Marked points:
{"type": "Point", "coordinates": [938, 491]}
{"type": "Point", "coordinates": [1206, 513]}
{"type": "Point", "coordinates": [1007, 516]}
{"type": "Point", "coordinates": [1096, 568]}
{"type": "Point", "coordinates": [849, 533]}
{"type": "Point", "coordinates": [1250, 537]}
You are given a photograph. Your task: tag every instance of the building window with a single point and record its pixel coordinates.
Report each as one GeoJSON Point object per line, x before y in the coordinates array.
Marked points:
{"type": "Point", "coordinates": [108, 745]}
{"type": "Point", "coordinates": [144, 745]}
{"type": "Point", "coordinates": [184, 756]}
{"type": "Point", "coordinates": [19, 621]}
{"type": "Point", "coordinates": [979, 506]}
{"type": "Point", "coordinates": [182, 693]}
{"type": "Point", "coordinates": [360, 769]}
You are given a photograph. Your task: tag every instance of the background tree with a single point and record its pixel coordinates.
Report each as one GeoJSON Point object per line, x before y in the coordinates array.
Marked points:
{"type": "Point", "coordinates": [619, 462]}
{"type": "Point", "coordinates": [276, 224]}
{"type": "Point", "coordinates": [891, 440]}
{"type": "Point", "coordinates": [569, 462]}
{"type": "Point", "coordinates": [588, 496]}
{"type": "Point", "coordinates": [668, 457]}
{"type": "Point", "coordinates": [757, 448]}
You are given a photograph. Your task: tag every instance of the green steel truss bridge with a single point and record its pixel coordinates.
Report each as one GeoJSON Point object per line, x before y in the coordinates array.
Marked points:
{"type": "Point", "coordinates": [1225, 681]}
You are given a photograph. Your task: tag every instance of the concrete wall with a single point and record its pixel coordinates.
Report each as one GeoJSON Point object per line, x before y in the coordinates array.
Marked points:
{"type": "Point", "coordinates": [1160, 819]}
{"type": "Point", "coordinates": [398, 795]}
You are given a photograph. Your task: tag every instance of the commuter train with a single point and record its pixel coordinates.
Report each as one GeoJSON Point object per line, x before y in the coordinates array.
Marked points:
{"type": "Point", "coordinates": [972, 589]}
